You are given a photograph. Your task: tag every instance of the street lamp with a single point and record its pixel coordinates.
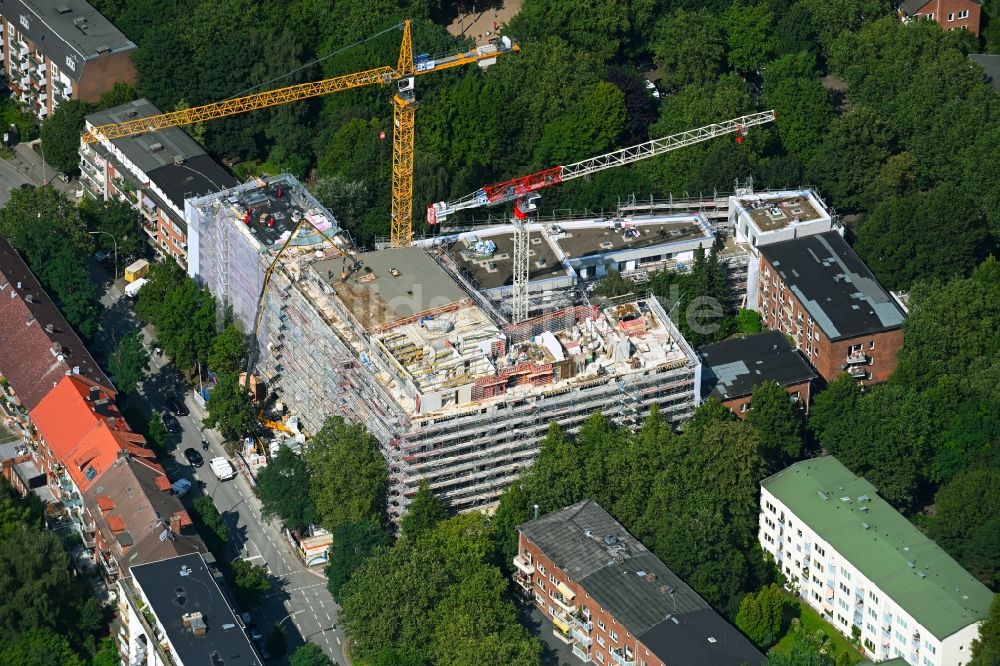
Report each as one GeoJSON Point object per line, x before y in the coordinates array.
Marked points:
{"type": "Point", "coordinates": [115, 240]}
{"type": "Point", "coordinates": [278, 623]}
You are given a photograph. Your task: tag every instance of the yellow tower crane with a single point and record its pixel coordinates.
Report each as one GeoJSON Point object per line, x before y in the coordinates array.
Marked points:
{"type": "Point", "coordinates": [403, 105]}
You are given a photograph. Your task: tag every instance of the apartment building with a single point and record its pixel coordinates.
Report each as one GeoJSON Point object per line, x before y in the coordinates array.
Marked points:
{"type": "Point", "coordinates": [401, 342]}
{"type": "Point", "coordinates": [866, 568]}
{"type": "Point", "coordinates": [57, 50]}
{"type": "Point", "coordinates": [173, 613]}
{"type": "Point", "coordinates": [817, 290]}
{"type": "Point", "coordinates": [949, 14]}
{"type": "Point", "coordinates": [136, 518]}
{"type": "Point", "coordinates": [152, 172]}
{"type": "Point", "coordinates": [81, 434]}
{"type": "Point", "coordinates": [732, 368]}
{"type": "Point", "coordinates": [613, 601]}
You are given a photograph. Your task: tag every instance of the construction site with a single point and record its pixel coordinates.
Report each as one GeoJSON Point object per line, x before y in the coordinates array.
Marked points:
{"type": "Point", "coordinates": [401, 341]}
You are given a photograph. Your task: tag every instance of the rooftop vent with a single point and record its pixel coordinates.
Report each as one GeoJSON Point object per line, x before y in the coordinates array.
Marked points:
{"type": "Point", "coordinates": [132, 113]}
{"type": "Point", "coordinates": [711, 639]}
{"type": "Point", "coordinates": [865, 525]}
{"type": "Point", "coordinates": [195, 622]}
{"type": "Point", "coordinates": [922, 574]}
{"type": "Point", "coordinates": [864, 498]}
{"type": "Point", "coordinates": [178, 160]}
{"type": "Point", "coordinates": [63, 9]}
{"type": "Point", "coordinates": [823, 496]}
{"type": "Point", "coordinates": [845, 499]}
{"type": "Point", "coordinates": [79, 20]}
{"type": "Point", "coordinates": [102, 49]}
{"type": "Point", "coordinates": [185, 570]}
{"type": "Point", "coordinates": [610, 539]}
{"type": "Point", "coordinates": [156, 147]}
{"type": "Point", "coordinates": [911, 564]}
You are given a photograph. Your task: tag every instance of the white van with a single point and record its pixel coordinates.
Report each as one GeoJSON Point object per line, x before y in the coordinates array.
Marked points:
{"type": "Point", "coordinates": [181, 487]}
{"type": "Point", "coordinates": [222, 468]}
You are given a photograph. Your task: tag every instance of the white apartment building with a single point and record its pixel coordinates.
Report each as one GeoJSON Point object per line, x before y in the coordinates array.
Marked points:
{"type": "Point", "coordinates": [866, 568]}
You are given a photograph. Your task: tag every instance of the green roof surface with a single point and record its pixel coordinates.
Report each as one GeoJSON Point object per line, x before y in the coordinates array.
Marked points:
{"type": "Point", "coordinates": [890, 551]}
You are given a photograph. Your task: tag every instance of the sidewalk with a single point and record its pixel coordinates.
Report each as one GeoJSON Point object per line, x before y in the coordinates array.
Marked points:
{"type": "Point", "coordinates": [28, 162]}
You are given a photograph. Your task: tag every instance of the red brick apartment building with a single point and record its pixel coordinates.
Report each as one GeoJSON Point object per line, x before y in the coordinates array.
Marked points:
{"type": "Point", "coordinates": [817, 291]}
{"type": "Point", "coordinates": [154, 173]}
{"type": "Point", "coordinates": [56, 50]}
{"type": "Point", "coordinates": [614, 602]}
{"type": "Point", "coordinates": [732, 368]}
{"type": "Point", "coordinates": [950, 14]}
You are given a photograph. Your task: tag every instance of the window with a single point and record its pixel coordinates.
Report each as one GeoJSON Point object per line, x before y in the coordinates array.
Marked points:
{"type": "Point", "coordinates": [819, 549]}
{"type": "Point", "coordinates": [842, 604]}
{"type": "Point", "coordinates": [901, 622]}
{"type": "Point", "coordinates": [600, 640]}
{"type": "Point", "coordinates": [951, 16]}
{"type": "Point", "coordinates": [855, 349]}
{"type": "Point", "coordinates": [963, 14]}
{"type": "Point", "coordinates": [871, 345]}
{"type": "Point", "coordinates": [613, 636]}
{"type": "Point", "coordinates": [846, 574]}
{"type": "Point", "coordinates": [844, 589]}
{"type": "Point", "coordinates": [25, 22]}
{"type": "Point", "coordinates": [600, 657]}
{"type": "Point", "coordinates": [745, 407]}
{"type": "Point", "coordinates": [552, 579]}
{"type": "Point", "coordinates": [871, 595]}
{"type": "Point", "coordinates": [872, 613]}
{"type": "Point", "coordinates": [10, 29]}
{"type": "Point", "coordinates": [930, 16]}
{"type": "Point", "coordinates": [541, 568]}
{"type": "Point", "coordinates": [601, 625]}
{"type": "Point", "coordinates": [70, 63]}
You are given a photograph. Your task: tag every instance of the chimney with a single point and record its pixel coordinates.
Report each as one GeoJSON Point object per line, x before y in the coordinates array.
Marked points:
{"type": "Point", "coordinates": [175, 523]}
{"type": "Point", "coordinates": [95, 393]}
{"type": "Point", "coordinates": [195, 622]}
{"type": "Point", "coordinates": [49, 328]}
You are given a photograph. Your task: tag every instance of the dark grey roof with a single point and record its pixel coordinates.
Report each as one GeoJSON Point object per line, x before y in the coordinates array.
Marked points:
{"type": "Point", "coordinates": [911, 7]}
{"type": "Point", "coordinates": [731, 368]}
{"type": "Point", "coordinates": [157, 155]}
{"type": "Point", "coordinates": [990, 64]}
{"type": "Point", "coordinates": [636, 588]}
{"type": "Point", "coordinates": [182, 585]}
{"type": "Point", "coordinates": [834, 285]}
{"type": "Point", "coordinates": [81, 33]}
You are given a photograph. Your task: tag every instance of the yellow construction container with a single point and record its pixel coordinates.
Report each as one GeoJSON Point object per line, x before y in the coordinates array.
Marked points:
{"type": "Point", "coordinates": [136, 270]}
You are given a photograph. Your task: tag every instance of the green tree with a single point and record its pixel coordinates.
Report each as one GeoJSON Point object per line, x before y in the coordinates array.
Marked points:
{"type": "Point", "coordinates": [283, 488]}
{"type": "Point", "coordinates": [61, 135]}
{"type": "Point", "coordinates": [107, 654]}
{"type": "Point", "coordinates": [986, 648]}
{"type": "Point", "coordinates": [228, 350]}
{"type": "Point", "coordinates": [310, 654]}
{"type": "Point", "coordinates": [120, 93]}
{"type": "Point", "coordinates": [749, 35]}
{"type": "Point", "coordinates": [748, 321]}
{"type": "Point", "coordinates": [688, 47]}
{"type": "Point", "coordinates": [277, 643]}
{"type": "Point", "coordinates": [40, 646]}
{"type": "Point", "coordinates": [853, 152]}
{"type": "Point", "coordinates": [966, 511]}
{"type": "Point", "coordinates": [806, 649]}
{"type": "Point", "coordinates": [349, 476]}
{"type": "Point", "coordinates": [613, 284]}
{"type": "Point", "coordinates": [760, 614]}
{"type": "Point", "coordinates": [353, 543]}
{"type": "Point", "coordinates": [157, 435]}
{"type": "Point", "coordinates": [249, 582]}
{"type": "Point", "coordinates": [230, 410]}
{"type": "Point", "coordinates": [211, 525]}
{"type": "Point", "coordinates": [119, 223]}
{"type": "Point", "coordinates": [831, 19]}
{"type": "Point", "coordinates": [792, 87]}
{"type": "Point", "coordinates": [592, 127]}
{"type": "Point", "coordinates": [894, 244]}
{"type": "Point", "coordinates": [425, 512]}
{"type": "Point", "coordinates": [129, 362]}
{"type": "Point", "coordinates": [773, 416]}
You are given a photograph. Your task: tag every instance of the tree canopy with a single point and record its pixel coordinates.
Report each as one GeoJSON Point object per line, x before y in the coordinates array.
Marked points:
{"type": "Point", "coordinates": [284, 489]}
{"type": "Point", "coordinates": [129, 362]}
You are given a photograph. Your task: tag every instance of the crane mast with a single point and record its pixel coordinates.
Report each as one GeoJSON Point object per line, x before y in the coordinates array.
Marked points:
{"type": "Point", "coordinates": [523, 191]}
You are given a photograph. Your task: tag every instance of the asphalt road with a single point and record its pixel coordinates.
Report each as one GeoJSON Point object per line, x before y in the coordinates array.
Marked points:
{"type": "Point", "coordinates": [26, 167]}
{"type": "Point", "coordinates": [298, 597]}
{"type": "Point", "coordinates": [11, 177]}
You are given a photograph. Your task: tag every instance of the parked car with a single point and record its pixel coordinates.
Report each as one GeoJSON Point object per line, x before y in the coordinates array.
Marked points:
{"type": "Point", "coordinates": [181, 487]}
{"type": "Point", "coordinates": [254, 632]}
{"type": "Point", "coordinates": [103, 255]}
{"type": "Point", "coordinates": [653, 90]}
{"type": "Point", "coordinates": [177, 407]}
{"type": "Point", "coordinates": [193, 457]}
{"type": "Point", "coordinates": [171, 424]}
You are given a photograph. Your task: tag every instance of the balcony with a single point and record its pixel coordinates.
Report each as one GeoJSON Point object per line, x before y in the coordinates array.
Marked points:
{"type": "Point", "coordinates": [564, 599]}
{"type": "Point", "coordinates": [858, 372]}
{"type": "Point", "coordinates": [524, 565]}
{"type": "Point", "coordinates": [856, 358]}
{"type": "Point", "coordinates": [523, 581]}
{"type": "Point", "coordinates": [561, 629]}
{"type": "Point", "coordinates": [581, 654]}
{"type": "Point", "coordinates": [581, 636]}
{"type": "Point", "coordinates": [622, 657]}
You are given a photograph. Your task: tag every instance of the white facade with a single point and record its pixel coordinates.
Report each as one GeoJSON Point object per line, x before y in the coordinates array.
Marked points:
{"type": "Point", "coordinates": [847, 598]}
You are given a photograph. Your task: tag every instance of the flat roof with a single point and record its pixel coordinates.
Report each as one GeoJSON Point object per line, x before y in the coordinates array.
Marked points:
{"type": "Point", "coordinates": [773, 211]}
{"type": "Point", "coordinates": [837, 289]}
{"type": "Point", "coordinates": [389, 285]}
{"type": "Point", "coordinates": [80, 31]}
{"type": "Point", "coordinates": [636, 588]}
{"type": "Point", "coordinates": [184, 584]}
{"type": "Point", "coordinates": [157, 154]}
{"type": "Point", "coordinates": [489, 271]}
{"type": "Point", "coordinates": [847, 512]}
{"type": "Point", "coordinates": [731, 368]}
{"type": "Point", "coordinates": [577, 242]}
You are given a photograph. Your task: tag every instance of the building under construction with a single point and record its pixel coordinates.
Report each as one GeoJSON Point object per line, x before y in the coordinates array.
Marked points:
{"type": "Point", "coordinates": [401, 341]}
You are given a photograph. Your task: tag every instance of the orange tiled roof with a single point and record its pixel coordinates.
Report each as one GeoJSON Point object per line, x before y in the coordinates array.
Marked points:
{"type": "Point", "coordinates": [116, 523]}
{"type": "Point", "coordinates": [105, 502]}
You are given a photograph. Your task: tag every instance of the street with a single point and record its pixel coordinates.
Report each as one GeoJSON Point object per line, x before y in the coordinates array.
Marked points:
{"type": "Point", "coordinates": [298, 597]}
{"type": "Point", "coordinates": [27, 167]}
